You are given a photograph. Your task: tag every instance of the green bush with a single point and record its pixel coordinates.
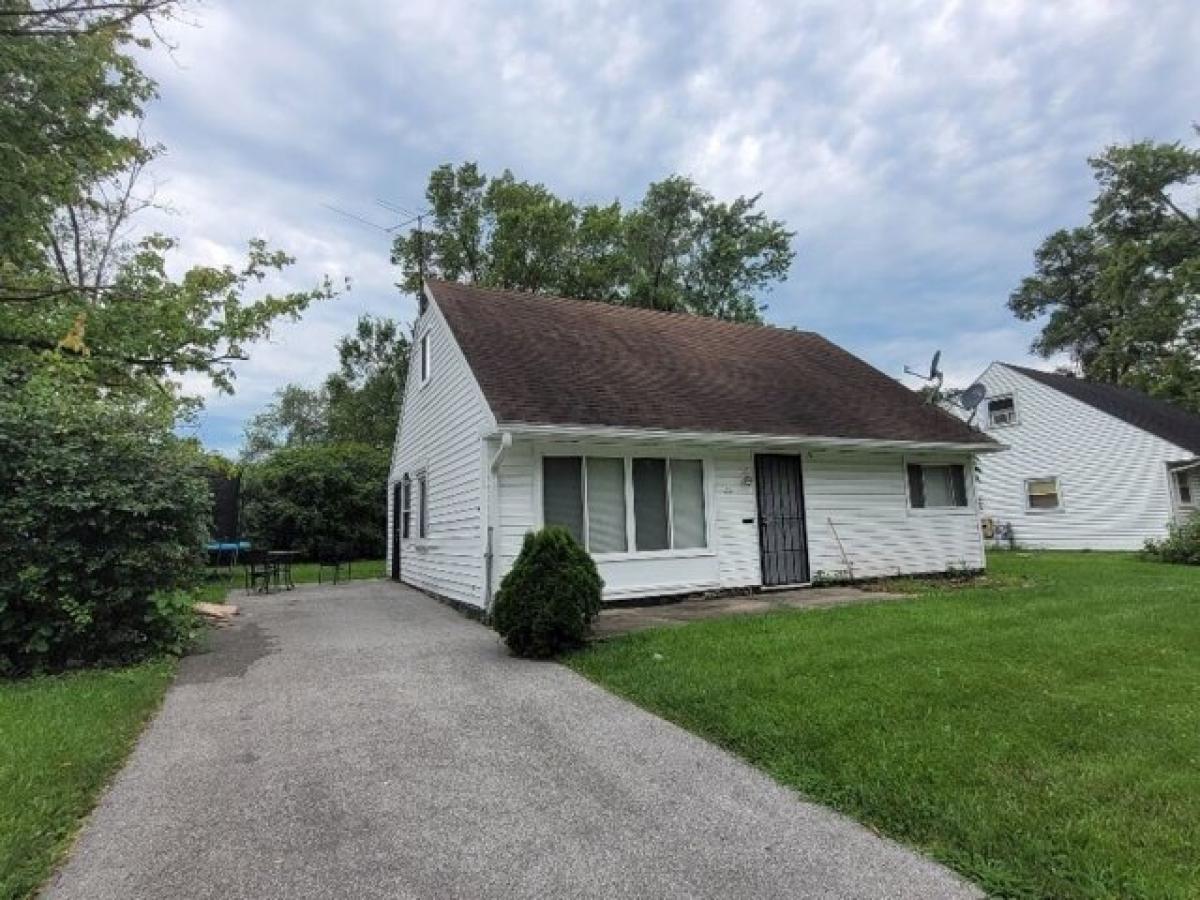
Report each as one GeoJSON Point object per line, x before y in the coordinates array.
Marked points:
{"type": "Point", "coordinates": [1181, 545]}
{"type": "Point", "coordinates": [547, 602]}
{"type": "Point", "coordinates": [104, 519]}
{"type": "Point", "coordinates": [321, 496]}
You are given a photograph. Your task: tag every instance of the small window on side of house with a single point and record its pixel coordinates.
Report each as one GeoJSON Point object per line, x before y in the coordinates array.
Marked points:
{"type": "Point", "coordinates": [1001, 411]}
{"type": "Point", "coordinates": [422, 505]}
{"type": "Point", "coordinates": [424, 358]}
{"type": "Point", "coordinates": [937, 486]}
{"type": "Point", "coordinates": [406, 508]}
{"type": "Point", "coordinates": [1183, 486]}
{"type": "Point", "coordinates": [1042, 493]}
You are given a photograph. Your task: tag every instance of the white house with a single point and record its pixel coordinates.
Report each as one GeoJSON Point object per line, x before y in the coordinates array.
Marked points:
{"type": "Point", "coordinates": [687, 454]}
{"type": "Point", "coordinates": [1089, 466]}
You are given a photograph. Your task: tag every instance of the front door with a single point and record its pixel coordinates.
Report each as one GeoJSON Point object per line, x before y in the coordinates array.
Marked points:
{"type": "Point", "coordinates": [782, 542]}
{"type": "Point", "coordinates": [397, 512]}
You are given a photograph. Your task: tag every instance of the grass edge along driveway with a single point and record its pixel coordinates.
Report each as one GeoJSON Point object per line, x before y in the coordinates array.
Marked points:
{"type": "Point", "coordinates": [62, 738]}
{"type": "Point", "coordinates": [1037, 732]}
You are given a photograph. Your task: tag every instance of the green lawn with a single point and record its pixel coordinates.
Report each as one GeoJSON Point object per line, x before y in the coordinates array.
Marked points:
{"type": "Point", "coordinates": [1040, 733]}
{"type": "Point", "coordinates": [61, 739]}
{"type": "Point", "coordinates": [302, 573]}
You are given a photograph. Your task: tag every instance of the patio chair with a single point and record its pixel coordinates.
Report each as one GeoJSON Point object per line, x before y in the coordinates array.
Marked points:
{"type": "Point", "coordinates": [336, 558]}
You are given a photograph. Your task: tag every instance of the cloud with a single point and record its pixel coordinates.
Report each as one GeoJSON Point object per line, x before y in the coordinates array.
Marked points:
{"type": "Point", "coordinates": [920, 150]}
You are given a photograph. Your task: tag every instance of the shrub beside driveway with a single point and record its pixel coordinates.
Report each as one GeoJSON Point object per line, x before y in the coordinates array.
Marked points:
{"type": "Point", "coordinates": [1039, 734]}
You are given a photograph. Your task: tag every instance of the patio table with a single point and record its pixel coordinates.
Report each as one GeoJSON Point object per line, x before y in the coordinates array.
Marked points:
{"type": "Point", "coordinates": [281, 562]}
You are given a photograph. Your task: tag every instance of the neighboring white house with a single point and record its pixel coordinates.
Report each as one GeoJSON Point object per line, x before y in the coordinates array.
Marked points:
{"type": "Point", "coordinates": [686, 453]}
{"type": "Point", "coordinates": [1089, 466]}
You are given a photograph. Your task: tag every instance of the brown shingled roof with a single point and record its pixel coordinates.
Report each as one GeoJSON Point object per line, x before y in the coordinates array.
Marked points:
{"type": "Point", "coordinates": [549, 360]}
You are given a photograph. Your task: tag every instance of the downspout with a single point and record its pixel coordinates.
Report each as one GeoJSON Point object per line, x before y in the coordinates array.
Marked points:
{"type": "Point", "coordinates": [493, 488]}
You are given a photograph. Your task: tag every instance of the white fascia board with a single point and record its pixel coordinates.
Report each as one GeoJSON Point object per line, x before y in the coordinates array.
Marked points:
{"type": "Point", "coordinates": [734, 439]}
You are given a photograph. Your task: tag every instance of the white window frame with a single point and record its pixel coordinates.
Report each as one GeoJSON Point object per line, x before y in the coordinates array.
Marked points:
{"type": "Point", "coordinates": [425, 361]}
{"type": "Point", "coordinates": [988, 412]}
{"type": "Point", "coordinates": [1175, 487]}
{"type": "Point", "coordinates": [1058, 491]}
{"type": "Point", "coordinates": [628, 455]}
{"type": "Point", "coordinates": [970, 509]}
{"type": "Point", "coordinates": [422, 480]}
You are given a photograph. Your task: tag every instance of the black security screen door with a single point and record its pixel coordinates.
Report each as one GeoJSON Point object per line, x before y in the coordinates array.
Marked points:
{"type": "Point", "coordinates": [781, 539]}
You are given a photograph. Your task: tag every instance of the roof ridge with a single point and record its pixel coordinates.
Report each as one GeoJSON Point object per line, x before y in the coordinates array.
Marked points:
{"type": "Point", "coordinates": [523, 294]}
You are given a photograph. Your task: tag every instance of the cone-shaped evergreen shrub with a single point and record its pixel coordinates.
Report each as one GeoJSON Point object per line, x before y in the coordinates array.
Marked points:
{"type": "Point", "coordinates": [547, 602]}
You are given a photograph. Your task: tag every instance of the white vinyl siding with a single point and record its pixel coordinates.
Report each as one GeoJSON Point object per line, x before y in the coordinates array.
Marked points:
{"type": "Point", "coordinates": [861, 496]}
{"type": "Point", "coordinates": [860, 523]}
{"type": "Point", "coordinates": [1114, 484]}
{"type": "Point", "coordinates": [442, 424]}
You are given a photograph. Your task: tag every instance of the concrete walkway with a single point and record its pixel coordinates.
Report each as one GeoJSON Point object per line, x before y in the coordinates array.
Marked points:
{"type": "Point", "coordinates": [615, 620]}
{"type": "Point", "coordinates": [363, 741]}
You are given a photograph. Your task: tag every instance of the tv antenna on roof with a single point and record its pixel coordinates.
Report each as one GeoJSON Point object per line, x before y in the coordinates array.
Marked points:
{"type": "Point", "coordinates": [967, 399]}
{"type": "Point", "coordinates": [935, 377]}
{"type": "Point", "coordinates": [411, 218]}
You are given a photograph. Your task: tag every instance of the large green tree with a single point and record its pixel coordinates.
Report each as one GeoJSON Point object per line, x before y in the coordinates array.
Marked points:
{"type": "Point", "coordinates": [359, 403]}
{"type": "Point", "coordinates": [108, 510]}
{"type": "Point", "coordinates": [1121, 294]}
{"type": "Point", "coordinates": [75, 280]}
{"type": "Point", "coordinates": [677, 249]}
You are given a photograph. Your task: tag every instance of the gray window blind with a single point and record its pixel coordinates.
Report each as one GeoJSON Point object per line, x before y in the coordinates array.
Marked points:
{"type": "Point", "coordinates": [562, 493]}
{"type": "Point", "coordinates": [687, 503]}
{"type": "Point", "coordinates": [606, 504]}
{"type": "Point", "coordinates": [650, 504]}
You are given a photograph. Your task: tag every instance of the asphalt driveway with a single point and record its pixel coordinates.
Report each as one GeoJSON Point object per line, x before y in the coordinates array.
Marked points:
{"type": "Point", "coordinates": [365, 741]}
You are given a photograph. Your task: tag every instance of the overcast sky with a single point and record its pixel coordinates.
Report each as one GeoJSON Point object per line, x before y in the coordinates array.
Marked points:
{"type": "Point", "coordinates": [920, 150]}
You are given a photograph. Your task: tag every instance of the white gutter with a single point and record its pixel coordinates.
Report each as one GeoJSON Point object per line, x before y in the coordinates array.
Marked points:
{"type": "Point", "coordinates": [506, 440]}
{"type": "Point", "coordinates": [736, 438]}
{"type": "Point", "coordinates": [493, 497]}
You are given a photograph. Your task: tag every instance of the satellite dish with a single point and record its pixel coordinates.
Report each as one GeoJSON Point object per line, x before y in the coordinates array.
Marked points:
{"type": "Point", "coordinates": [972, 396]}
{"type": "Point", "coordinates": [934, 374]}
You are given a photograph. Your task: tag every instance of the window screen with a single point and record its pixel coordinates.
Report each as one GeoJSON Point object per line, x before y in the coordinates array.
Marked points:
{"type": "Point", "coordinates": [1042, 493]}
{"type": "Point", "coordinates": [562, 493]}
{"type": "Point", "coordinates": [650, 504]}
{"type": "Point", "coordinates": [937, 487]}
{"type": "Point", "coordinates": [687, 503]}
{"type": "Point", "coordinates": [606, 504]}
